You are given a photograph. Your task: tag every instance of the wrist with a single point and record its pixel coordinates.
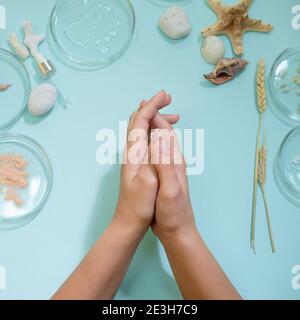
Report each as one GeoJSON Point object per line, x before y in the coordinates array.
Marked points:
{"type": "Point", "coordinates": [182, 236]}
{"type": "Point", "coordinates": [132, 229]}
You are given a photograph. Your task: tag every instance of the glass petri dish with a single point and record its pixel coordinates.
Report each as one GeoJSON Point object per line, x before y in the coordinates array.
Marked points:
{"type": "Point", "coordinates": [284, 86]}
{"type": "Point", "coordinates": [91, 34]}
{"type": "Point", "coordinates": [39, 181]}
{"type": "Point", "coordinates": [287, 167]}
{"type": "Point", "coordinates": [13, 101]}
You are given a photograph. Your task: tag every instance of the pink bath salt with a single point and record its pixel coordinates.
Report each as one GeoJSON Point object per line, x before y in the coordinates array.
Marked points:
{"type": "Point", "coordinates": [11, 195]}
{"type": "Point", "coordinates": [13, 176]}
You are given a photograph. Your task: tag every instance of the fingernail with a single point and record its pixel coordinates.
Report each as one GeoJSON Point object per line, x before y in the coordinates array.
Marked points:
{"type": "Point", "coordinates": [161, 94]}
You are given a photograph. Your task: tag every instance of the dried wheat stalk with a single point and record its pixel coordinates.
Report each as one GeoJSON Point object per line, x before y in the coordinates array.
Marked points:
{"type": "Point", "coordinates": [262, 163]}
{"type": "Point", "coordinates": [261, 87]}
{"type": "Point", "coordinates": [262, 106]}
{"type": "Point", "coordinates": [262, 172]}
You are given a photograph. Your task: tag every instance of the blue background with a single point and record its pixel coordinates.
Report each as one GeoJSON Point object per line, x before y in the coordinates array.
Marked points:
{"type": "Point", "coordinates": [41, 255]}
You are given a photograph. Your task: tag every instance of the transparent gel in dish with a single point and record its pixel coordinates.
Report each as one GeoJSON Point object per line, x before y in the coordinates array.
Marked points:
{"type": "Point", "coordinates": [40, 177]}
{"type": "Point", "coordinates": [287, 167]}
{"type": "Point", "coordinates": [284, 86]}
{"type": "Point", "coordinates": [91, 34]}
{"type": "Point", "coordinates": [13, 101]}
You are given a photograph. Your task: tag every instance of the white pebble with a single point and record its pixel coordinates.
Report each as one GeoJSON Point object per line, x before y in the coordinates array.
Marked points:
{"type": "Point", "coordinates": [42, 99]}
{"type": "Point", "coordinates": [213, 49]}
{"type": "Point", "coordinates": [175, 23]}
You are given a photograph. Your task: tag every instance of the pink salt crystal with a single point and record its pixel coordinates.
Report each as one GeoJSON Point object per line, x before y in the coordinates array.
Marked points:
{"type": "Point", "coordinates": [13, 196]}
{"type": "Point", "coordinates": [13, 175]}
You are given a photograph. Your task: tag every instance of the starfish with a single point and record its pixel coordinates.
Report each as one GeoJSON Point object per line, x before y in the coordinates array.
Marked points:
{"type": "Point", "coordinates": [233, 21]}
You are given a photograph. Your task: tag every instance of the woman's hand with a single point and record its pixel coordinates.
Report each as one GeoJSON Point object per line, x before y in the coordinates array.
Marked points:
{"type": "Point", "coordinates": [174, 214]}
{"type": "Point", "coordinates": [196, 271]}
{"type": "Point", "coordinates": [146, 189]}
{"type": "Point", "coordinates": [100, 273]}
{"type": "Point", "coordinates": [139, 181]}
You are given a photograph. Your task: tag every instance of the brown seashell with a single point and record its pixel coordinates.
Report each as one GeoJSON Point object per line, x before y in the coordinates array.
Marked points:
{"type": "Point", "coordinates": [226, 70]}
{"type": "Point", "coordinates": [4, 87]}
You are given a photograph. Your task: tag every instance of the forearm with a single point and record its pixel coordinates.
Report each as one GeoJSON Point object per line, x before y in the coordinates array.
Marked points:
{"type": "Point", "coordinates": [197, 273]}
{"type": "Point", "coordinates": [103, 269]}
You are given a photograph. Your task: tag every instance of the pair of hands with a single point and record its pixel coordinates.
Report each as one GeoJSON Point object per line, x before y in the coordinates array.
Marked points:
{"type": "Point", "coordinates": [154, 192]}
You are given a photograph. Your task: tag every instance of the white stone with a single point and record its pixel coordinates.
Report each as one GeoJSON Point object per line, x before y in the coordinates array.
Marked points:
{"type": "Point", "coordinates": [42, 99]}
{"type": "Point", "coordinates": [213, 49]}
{"type": "Point", "coordinates": [174, 23]}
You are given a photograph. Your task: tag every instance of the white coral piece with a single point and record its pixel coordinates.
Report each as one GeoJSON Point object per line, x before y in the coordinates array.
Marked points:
{"type": "Point", "coordinates": [32, 40]}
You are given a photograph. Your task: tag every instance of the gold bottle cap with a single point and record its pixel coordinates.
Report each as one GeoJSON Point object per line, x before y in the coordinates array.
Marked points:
{"type": "Point", "coordinates": [46, 68]}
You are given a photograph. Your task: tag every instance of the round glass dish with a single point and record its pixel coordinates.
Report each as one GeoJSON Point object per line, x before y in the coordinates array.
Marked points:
{"type": "Point", "coordinates": [287, 167]}
{"type": "Point", "coordinates": [13, 101]}
{"type": "Point", "coordinates": [39, 180]}
{"type": "Point", "coordinates": [284, 85]}
{"type": "Point", "coordinates": [91, 34]}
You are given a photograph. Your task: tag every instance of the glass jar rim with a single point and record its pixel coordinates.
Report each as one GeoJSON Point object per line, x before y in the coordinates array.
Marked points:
{"type": "Point", "coordinates": [39, 152]}
{"type": "Point", "coordinates": [277, 106]}
{"type": "Point", "coordinates": [283, 182]}
{"type": "Point", "coordinates": [27, 88]}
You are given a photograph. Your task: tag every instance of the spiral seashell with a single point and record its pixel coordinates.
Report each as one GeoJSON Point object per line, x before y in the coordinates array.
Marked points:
{"type": "Point", "coordinates": [226, 70]}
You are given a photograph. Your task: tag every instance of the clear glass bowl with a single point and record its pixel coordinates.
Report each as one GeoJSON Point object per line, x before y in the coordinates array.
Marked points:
{"type": "Point", "coordinates": [284, 85]}
{"type": "Point", "coordinates": [13, 101]}
{"type": "Point", "coordinates": [287, 167]}
{"type": "Point", "coordinates": [40, 177]}
{"type": "Point", "coordinates": [91, 34]}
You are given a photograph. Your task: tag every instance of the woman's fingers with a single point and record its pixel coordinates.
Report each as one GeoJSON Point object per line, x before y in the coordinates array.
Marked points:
{"type": "Point", "coordinates": [166, 121]}
{"type": "Point", "coordinates": [165, 150]}
{"type": "Point", "coordinates": [176, 157]}
{"type": "Point", "coordinates": [156, 121]}
{"type": "Point", "coordinates": [162, 158]}
{"type": "Point", "coordinates": [166, 102]}
{"type": "Point", "coordinates": [171, 118]}
{"type": "Point", "coordinates": [137, 139]}
{"type": "Point", "coordinates": [147, 111]}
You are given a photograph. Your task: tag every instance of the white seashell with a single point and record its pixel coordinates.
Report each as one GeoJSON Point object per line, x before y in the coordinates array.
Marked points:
{"type": "Point", "coordinates": [175, 23]}
{"type": "Point", "coordinates": [213, 49]}
{"type": "Point", "coordinates": [42, 99]}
